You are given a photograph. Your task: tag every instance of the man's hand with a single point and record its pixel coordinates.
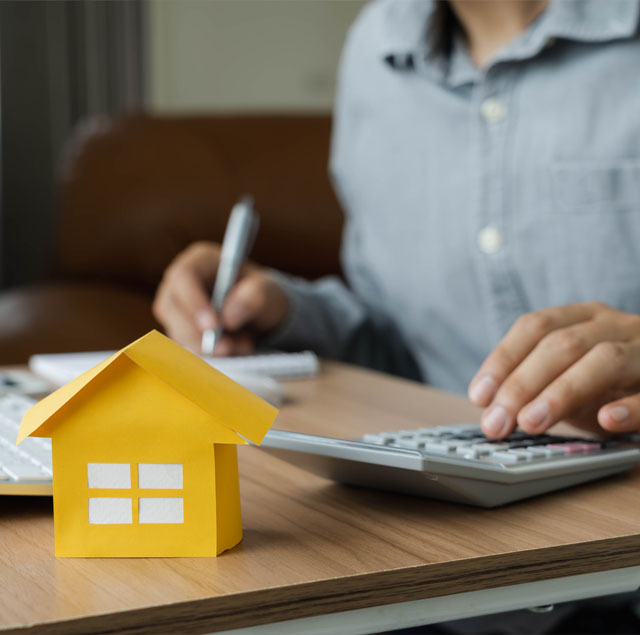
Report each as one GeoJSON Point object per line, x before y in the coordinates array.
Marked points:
{"type": "Point", "coordinates": [256, 304]}
{"type": "Point", "coordinates": [574, 363]}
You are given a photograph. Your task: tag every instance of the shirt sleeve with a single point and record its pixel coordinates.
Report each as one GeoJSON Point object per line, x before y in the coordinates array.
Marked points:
{"type": "Point", "coordinates": [328, 318]}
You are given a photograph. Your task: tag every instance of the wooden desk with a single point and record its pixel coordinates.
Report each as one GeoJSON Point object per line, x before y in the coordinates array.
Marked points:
{"type": "Point", "coordinates": [313, 548]}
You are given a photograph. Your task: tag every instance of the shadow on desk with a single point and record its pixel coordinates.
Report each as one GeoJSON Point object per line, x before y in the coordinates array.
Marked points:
{"type": "Point", "coordinates": [23, 508]}
{"type": "Point", "coordinates": [613, 615]}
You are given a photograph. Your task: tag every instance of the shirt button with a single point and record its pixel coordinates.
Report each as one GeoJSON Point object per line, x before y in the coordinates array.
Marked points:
{"type": "Point", "coordinates": [493, 110]}
{"type": "Point", "coordinates": [489, 240]}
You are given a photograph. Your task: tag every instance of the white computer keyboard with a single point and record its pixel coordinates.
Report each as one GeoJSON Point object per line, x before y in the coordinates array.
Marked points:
{"type": "Point", "coordinates": [26, 464]}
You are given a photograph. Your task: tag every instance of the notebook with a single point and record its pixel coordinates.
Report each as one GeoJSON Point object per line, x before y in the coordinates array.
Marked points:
{"type": "Point", "coordinates": [61, 368]}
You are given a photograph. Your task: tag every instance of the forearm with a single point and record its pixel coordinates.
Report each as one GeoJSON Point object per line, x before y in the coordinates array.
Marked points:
{"type": "Point", "coordinates": [327, 317]}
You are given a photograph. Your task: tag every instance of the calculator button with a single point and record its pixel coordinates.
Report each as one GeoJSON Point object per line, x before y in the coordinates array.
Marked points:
{"type": "Point", "coordinates": [525, 454]}
{"type": "Point", "coordinates": [475, 435]}
{"type": "Point", "coordinates": [378, 439]}
{"type": "Point", "coordinates": [561, 448]}
{"type": "Point", "coordinates": [522, 443]}
{"type": "Point", "coordinates": [577, 447]}
{"type": "Point", "coordinates": [591, 446]}
{"type": "Point", "coordinates": [464, 427]}
{"type": "Point", "coordinates": [438, 448]}
{"type": "Point", "coordinates": [442, 447]}
{"type": "Point", "coordinates": [519, 435]}
{"type": "Point", "coordinates": [471, 452]}
{"type": "Point", "coordinates": [555, 449]}
{"type": "Point", "coordinates": [492, 447]}
{"type": "Point", "coordinates": [439, 431]}
{"type": "Point", "coordinates": [538, 452]}
{"type": "Point", "coordinates": [411, 444]}
{"type": "Point", "coordinates": [471, 449]}
{"type": "Point", "coordinates": [459, 443]}
{"type": "Point", "coordinates": [574, 447]}
{"type": "Point", "coordinates": [508, 456]}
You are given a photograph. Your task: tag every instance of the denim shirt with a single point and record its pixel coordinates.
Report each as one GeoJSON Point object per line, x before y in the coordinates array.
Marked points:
{"type": "Point", "coordinates": [472, 195]}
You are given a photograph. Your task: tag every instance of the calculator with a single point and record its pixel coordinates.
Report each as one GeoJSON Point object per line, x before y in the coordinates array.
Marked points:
{"type": "Point", "coordinates": [455, 462]}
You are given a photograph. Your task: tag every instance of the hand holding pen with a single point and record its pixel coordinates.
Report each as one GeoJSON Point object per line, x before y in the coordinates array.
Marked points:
{"type": "Point", "coordinates": [246, 302]}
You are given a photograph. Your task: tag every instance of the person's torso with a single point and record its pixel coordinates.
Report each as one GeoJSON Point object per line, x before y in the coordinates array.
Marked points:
{"type": "Point", "coordinates": [483, 196]}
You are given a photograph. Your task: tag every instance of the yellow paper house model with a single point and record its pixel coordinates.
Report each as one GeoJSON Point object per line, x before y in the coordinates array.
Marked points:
{"type": "Point", "coordinates": [144, 454]}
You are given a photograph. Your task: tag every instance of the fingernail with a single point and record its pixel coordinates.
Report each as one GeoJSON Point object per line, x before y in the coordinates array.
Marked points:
{"type": "Point", "coordinates": [483, 390]}
{"type": "Point", "coordinates": [536, 415]}
{"type": "Point", "coordinates": [618, 413]}
{"type": "Point", "coordinates": [204, 320]}
{"type": "Point", "coordinates": [495, 421]}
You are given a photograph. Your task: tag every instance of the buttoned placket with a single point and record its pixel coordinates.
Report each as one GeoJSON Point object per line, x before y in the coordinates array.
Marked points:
{"type": "Point", "coordinates": [493, 119]}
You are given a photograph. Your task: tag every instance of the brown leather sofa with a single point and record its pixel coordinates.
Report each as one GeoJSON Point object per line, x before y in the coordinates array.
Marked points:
{"type": "Point", "coordinates": [136, 190]}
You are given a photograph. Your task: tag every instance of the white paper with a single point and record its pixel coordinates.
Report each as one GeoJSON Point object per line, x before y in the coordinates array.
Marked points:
{"type": "Point", "coordinates": [160, 475]}
{"type": "Point", "coordinates": [110, 511]}
{"type": "Point", "coordinates": [161, 510]}
{"type": "Point", "coordinates": [61, 368]}
{"type": "Point", "coordinates": [109, 475]}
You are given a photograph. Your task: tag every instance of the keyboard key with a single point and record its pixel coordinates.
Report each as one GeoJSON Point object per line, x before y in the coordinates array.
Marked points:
{"type": "Point", "coordinates": [44, 442]}
{"type": "Point", "coordinates": [41, 456]}
{"type": "Point", "coordinates": [25, 472]}
{"type": "Point", "coordinates": [47, 469]}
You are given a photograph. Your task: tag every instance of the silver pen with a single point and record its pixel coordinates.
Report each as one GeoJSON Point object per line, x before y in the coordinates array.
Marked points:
{"type": "Point", "coordinates": [239, 235]}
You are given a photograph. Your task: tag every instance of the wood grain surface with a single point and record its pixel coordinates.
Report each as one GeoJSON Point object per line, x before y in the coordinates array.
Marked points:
{"type": "Point", "coordinates": [312, 547]}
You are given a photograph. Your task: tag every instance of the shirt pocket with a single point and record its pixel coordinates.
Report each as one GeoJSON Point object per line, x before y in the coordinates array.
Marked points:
{"type": "Point", "coordinates": [595, 233]}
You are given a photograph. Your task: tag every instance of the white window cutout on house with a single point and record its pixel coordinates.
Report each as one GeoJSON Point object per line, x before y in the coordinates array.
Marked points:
{"type": "Point", "coordinates": [161, 510]}
{"type": "Point", "coordinates": [109, 475]}
{"type": "Point", "coordinates": [110, 511]}
{"type": "Point", "coordinates": [151, 509]}
{"type": "Point", "coordinates": [160, 475]}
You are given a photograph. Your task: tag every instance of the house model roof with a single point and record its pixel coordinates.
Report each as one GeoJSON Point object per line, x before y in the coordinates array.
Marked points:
{"type": "Point", "coordinates": [226, 401]}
